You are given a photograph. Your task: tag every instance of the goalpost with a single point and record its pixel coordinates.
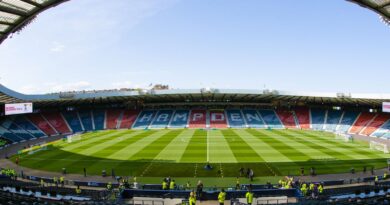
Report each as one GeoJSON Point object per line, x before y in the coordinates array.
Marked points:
{"type": "Point", "coordinates": [74, 137]}
{"type": "Point", "coordinates": [379, 146]}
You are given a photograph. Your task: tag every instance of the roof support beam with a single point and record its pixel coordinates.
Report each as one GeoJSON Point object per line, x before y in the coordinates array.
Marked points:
{"type": "Point", "coordinates": [12, 11]}
{"type": "Point", "coordinates": [6, 23]}
{"type": "Point", "coordinates": [32, 3]}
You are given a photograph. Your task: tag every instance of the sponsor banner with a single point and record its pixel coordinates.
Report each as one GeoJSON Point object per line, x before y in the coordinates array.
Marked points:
{"type": "Point", "coordinates": [18, 108]}
{"type": "Point", "coordinates": [386, 107]}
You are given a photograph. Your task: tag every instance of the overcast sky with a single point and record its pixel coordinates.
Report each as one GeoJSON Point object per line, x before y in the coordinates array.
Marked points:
{"type": "Point", "coordinates": [305, 45]}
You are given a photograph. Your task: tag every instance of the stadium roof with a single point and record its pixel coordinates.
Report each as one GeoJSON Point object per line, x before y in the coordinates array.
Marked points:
{"type": "Point", "coordinates": [16, 14]}
{"type": "Point", "coordinates": [195, 97]}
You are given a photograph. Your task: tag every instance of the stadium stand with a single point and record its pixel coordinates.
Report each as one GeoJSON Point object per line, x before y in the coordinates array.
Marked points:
{"type": "Point", "coordinates": [235, 118]}
{"type": "Point", "coordinates": [9, 135]}
{"type": "Point", "coordinates": [128, 118]}
{"type": "Point", "coordinates": [253, 119]}
{"type": "Point", "coordinates": [162, 119]}
{"type": "Point", "coordinates": [73, 120]}
{"type": "Point", "coordinates": [347, 119]}
{"type": "Point", "coordinates": [287, 118]}
{"type": "Point", "coordinates": [317, 117]}
{"type": "Point", "coordinates": [363, 120]}
{"type": "Point", "coordinates": [57, 121]}
{"type": "Point", "coordinates": [86, 119]}
{"type": "Point", "coordinates": [271, 119]}
{"type": "Point", "coordinates": [303, 116]}
{"type": "Point", "coordinates": [12, 127]}
{"type": "Point", "coordinates": [144, 119]}
{"type": "Point", "coordinates": [217, 119]}
{"type": "Point", "coordinates": [99, 119]}
{"type": "Point", "coordinates": [333, 119]}
{"type": "Point", "coordinates": [42, 124]}
{"type": "Point", "coordinates": [179, 119]}
{"type": "Point", "coordinates": [375, 124]}
{"type": "Point", "coordinates": [197, 119]}
{"type": "Point", "coordinates": [23, 123]}
{"type": "Point", "coordinates": [113, 118]}
{"type": "Point", "coordinates": [385, 128]}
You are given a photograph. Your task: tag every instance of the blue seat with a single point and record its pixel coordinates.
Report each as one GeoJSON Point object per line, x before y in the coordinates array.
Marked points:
{"type": "Point", "coordinates": [162, 119]}
{"type": "Point", "coordinates": [235, 118]}
{"type": "Point", "coordinates": [86, 119]}
{"type": "Point", "coordinates": [383, 130]}
{"type": "Point", "coordinates": [9, 135]}
{"type": "Point", "coordinates": [333, 119]}
{"type": "Point", "coordinates": [253, 119]}
{"type": "Point", "coordinates": [98, 119]}
{"type": "Point", "coordinates": [73, 121]}
{"type": "Point", "coordinates": [271, 119]}
{"type": "Point", "coordinates": [317, 118]}
{"type": "Point", "coordinates": [16, 130]}
{"type": "Point", "coordinates": [180, 119]}
{"type": "Point", "coordinates": [144, 119]}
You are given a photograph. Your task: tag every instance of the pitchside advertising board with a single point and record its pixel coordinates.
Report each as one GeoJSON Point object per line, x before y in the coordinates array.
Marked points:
{"type": "Point", "coordinates": [18, 108]}
{"type": "Point", "coordinates": [386, 107]}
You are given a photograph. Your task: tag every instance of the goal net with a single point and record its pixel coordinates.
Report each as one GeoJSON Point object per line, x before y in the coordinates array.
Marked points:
{"type": "Point", "coordinates": [74, 137]}
{"type": "Point", "coordinates": [343, 137]}
{"type": "Point", "coordinates": [379, 146]}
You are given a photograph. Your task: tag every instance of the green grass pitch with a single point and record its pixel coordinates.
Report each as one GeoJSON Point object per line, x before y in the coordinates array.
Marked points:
{"type": "Point", "coordinates": [184, 152]}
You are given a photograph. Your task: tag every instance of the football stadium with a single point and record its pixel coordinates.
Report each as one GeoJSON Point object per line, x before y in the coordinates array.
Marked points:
{"type": "Point", "coordinates": [162, 145]}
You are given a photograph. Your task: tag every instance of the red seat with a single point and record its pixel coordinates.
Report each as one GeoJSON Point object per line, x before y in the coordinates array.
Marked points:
{"type": "Point", "coordinates": [379, 120]}
{"type": "Point", "coordinates": [128, 118]}
{"type": "Point", "coordinates": [362, 121]}
{"type": "Point", "coordinates": [198, 119]}
{"type": "Point", "coordinates": [218, 119]}
{"type": "Point", "coordinates": [112, 118]}
{"type": "Point", "coordinates": [41, 123]}
{"type": "Point", "coordinates": [303, 117]}
{"type": "Point", "coordinates": [57, 121]}
{"type": "Point", "coordinates": [287, 118]}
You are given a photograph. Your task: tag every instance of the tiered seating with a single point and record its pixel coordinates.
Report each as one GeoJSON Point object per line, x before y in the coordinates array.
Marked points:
{"type": "Point", "coordinates": [197, 119]}
{"type": "Point", "coordinates": [347, 120]}
{"type": "Point", "coordinates": [144, 119]}
{"type": "Point", "coordinates": [42, 124]}
{"type": "Point", "coordinates": [235, 118]}
{"type": "Point", "coordinates": [270, 118]}
{"type": "Point", "coordinates": [23, 123]}
{"type": "Point", "coordinates": [162, 119]}
{"type": "Point", "coordinates": [333, 119]}
{"type": "Point", "coordinates": [98, 119]}
{"type": "Point", "coordinates": [179, 119]}
{"type": "Point", "coordinates": [18, 131]}
{"type": "Point", "coordinates": [113, 117]}
{"type": "Point", "coordinates": [317, 118]}
{"type": "Point", "coordinates": [128, 118]}
{"type": "Point", "coordinates": [362, 121]}
{"type": "Point", "coordinates": [86, 119]}
{"type": "Point", "coordinates": [382, 130]}
{"type": "Point", "coordinates": [287, 118]}
{"type": "Point", "coordinates": [57, 121]}
{"type": "Point", "coordinates": [73, 121]}
{"type": "Point", "coordinates": [217, 119]}
{"type": "Point", "coordinates": [303, 116]}
{"type": "Point", "coordinates": [9, 135]}
{"type": "Point", "coordinates": [378, 121]}
{"type": "Point", "coordinates": [253, 119]}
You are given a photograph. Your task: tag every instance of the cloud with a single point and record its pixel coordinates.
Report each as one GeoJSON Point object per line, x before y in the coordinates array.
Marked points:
{"type": "Point", "coordinates": [57, 47]}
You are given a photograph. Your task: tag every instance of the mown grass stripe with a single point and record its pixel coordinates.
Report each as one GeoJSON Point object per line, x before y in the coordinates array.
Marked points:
{"type": "Point", "coordinates": [219, 150]}
{"type": "Point", "coordinates": [174, 150]}
{"type": "Point", "coordinates": [196, 150]}
{"type": "Point", "coordinates": [241, 150]}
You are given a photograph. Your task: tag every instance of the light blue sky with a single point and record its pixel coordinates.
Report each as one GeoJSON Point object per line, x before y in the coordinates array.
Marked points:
{"type": "Point", "coordinates": [302, 45]}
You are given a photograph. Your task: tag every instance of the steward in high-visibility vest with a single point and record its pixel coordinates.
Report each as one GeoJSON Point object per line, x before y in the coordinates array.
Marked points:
{"type": "Point", "coordinates": [249, 197]}
{"type": "Point", "coordinates": [192, 199]}
{"type": "Point", "coordinates": [164, 185]}
{"type": "Point", "coordinates": [109, 186]}
{"type": "Point", "coordinates": [221, 197]}
{"type": "Point", "coordinates": [42, 183]}
{"type": "Point", "coordinates": [78, 190]}
{"type": "Point", "coordinates": [320, 189]}
{"type": "Point", "coordinates": [172, 185]}
{"type": "Point", "coordinates": [385, 175]}
{"type": "Point", "coordinates": [304, 189]}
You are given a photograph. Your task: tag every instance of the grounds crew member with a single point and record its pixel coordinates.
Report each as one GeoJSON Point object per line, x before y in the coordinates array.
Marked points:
{"type": "Point", "coordinates": [78, 190]}
{"type": "Point", "coordinates": [221, 197]}
{"type": "Point", "coordinates": [164, 185]}
{"type": "Point", "coordinates": [172, 185]}
{"type": "Point", "coordinates": [249, 196]}
{"type": "Point", "coordinates": [192, 199]}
